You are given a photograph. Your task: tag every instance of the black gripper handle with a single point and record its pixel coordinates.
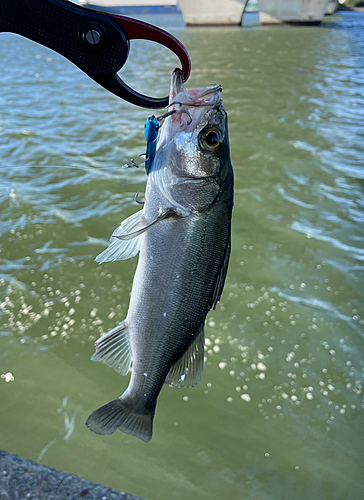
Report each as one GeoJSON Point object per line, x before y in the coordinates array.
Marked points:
{"type": "Point", "coordinates": [92, 41]}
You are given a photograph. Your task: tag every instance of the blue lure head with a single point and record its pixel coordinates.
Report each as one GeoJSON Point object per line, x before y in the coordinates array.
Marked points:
{"type": "Point", "coordinates": [151, 131]}
{"type": "Point", "coordinates": [151, 135]}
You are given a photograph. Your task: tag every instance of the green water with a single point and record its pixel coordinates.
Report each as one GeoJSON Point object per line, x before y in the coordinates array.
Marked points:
{"type": "Point", "coordinates": [279, 411]}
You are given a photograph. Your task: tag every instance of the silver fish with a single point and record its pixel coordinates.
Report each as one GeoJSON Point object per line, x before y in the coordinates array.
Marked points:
{"type": "Point", "coordinates": [183, 236]}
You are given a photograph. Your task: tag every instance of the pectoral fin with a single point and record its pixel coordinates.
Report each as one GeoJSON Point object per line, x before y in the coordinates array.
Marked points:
{"type": "Point", "coordinates": [187, 372]}
{"type": "Point", "coordinates": [128, 236]}
{"type": "Point", "coordinates": [119, 249]}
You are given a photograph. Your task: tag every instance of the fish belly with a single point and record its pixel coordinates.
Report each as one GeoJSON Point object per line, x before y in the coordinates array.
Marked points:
{"type": "Point", "coordinates": [178, 267]}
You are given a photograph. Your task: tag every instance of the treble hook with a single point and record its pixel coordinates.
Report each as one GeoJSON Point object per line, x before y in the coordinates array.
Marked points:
{"type": "Point", "coordinates": [169, 113]}
{"type": "Point", "coordinates": [136, 199]}
{"type": "Point", "coordinates": [132, 162]}
{"type": "Point", "coordinates": [152, 127]}
{"type": "Point", "coordinates": [162, 117]}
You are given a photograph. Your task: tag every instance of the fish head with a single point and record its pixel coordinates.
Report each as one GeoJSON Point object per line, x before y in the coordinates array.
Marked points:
{"type": "Point", "coordinates": [193, 143]}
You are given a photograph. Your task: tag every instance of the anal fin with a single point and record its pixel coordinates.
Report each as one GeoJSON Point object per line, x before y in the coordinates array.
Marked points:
{"type": "Point", "coordinates": [113, 349]}
{"type": "Point", "coordinates": [187, 372]}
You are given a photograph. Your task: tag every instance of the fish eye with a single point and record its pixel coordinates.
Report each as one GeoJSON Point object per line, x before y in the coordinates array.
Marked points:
{"type": "Point", "coordinates": [211, 139]}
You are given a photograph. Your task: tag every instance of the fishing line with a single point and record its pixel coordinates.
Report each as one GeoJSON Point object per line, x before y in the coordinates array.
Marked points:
{"type": "Point", "coordinates": [2, 167]}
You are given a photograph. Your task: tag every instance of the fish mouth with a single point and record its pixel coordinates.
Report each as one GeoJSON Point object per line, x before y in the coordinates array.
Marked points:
{"type": "Point", "coordinates": [203, 96]}
{"type": "Point", "coordinates": [177, 85]}
{"type": "Point", "coordinates": [200, 94]}
{"type": "Point", "coordinates": [188, 107]}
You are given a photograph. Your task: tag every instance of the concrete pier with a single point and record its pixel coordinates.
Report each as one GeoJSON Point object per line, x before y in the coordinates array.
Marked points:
{"type": "Point", "coordinates": [24, 479]}
{"type": "Point", "coordinates": [292, 11]}
{"type": "Point", "coordinates": [212, 12]}
{"type": "Point", "coordinates": [332, 7]}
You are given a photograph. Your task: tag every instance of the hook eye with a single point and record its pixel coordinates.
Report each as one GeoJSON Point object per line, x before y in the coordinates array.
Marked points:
{"type": "Point", "coordinates": [169, 113]}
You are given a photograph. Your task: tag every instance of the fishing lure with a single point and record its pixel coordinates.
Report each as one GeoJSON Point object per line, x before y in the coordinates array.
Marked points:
{"type": "Point", "coordinates": [151, 130]}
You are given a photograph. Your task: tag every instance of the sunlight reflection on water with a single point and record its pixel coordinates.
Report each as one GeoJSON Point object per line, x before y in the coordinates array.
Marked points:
{"type": "Point", "coordinates": [280, 405]}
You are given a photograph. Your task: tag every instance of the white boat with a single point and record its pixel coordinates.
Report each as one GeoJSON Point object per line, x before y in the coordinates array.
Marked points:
{"type": "Point", "coordinates": [133, 6]}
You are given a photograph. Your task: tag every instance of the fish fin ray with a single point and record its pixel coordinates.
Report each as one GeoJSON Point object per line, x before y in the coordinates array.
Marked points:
{"type": "Point", "coordinates": [221, 277]}
{"type": "Point", "coordinates": [187, 372]}
{"type": "Point", "coordinates": [121, 248]}
{"type": "Point", "coordinates": [164, 215]}
{"type": "Point", "coordinates": [113, 349]}
{"type": "Point", "coordinates": [117, 414]}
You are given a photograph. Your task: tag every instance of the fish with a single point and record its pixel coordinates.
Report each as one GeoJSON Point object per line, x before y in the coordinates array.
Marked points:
{"type": "Point", "coordinates": [183, 236]}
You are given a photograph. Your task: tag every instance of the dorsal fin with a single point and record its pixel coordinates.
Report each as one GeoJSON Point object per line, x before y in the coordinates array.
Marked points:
{"type": "Point", "coordinates": [187, 372]}
{"type": "Point", "coordinates": [221, 277]}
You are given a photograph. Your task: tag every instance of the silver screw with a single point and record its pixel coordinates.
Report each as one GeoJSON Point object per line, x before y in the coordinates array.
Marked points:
{"type": "Point", "coordinates": [93, 37]}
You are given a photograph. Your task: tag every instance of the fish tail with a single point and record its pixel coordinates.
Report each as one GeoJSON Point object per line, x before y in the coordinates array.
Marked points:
{"type": "Point", "coordinates": [118, 414]}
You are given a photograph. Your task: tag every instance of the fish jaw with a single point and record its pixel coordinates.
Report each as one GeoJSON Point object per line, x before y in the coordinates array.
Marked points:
{"type": "Point", "coordinates": [187, 176]}
{"type": "Point", "coordinates": [178, 143]}
{"type": "Point", "coordinates": [177, 84]}
{"type": "Point", "coordinates": [189, 105]}
{"type": "Point", "coordinates": [200, 96]}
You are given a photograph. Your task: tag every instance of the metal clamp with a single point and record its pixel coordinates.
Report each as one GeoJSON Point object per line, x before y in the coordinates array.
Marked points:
{"type": "Point", "coordinates": [96, 42]}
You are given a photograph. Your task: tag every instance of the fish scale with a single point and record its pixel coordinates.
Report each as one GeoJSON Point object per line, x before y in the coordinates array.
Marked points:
{"type": "Point", "coordinates": [183, 236]}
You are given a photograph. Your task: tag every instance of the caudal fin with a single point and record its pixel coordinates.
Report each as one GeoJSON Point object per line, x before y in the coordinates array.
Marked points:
{"type": "Point", "coordinates": [117, 415]}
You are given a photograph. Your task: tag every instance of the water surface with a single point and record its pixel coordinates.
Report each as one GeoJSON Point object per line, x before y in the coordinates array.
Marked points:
{"type": "Point", "coordinates": [279, 411]}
